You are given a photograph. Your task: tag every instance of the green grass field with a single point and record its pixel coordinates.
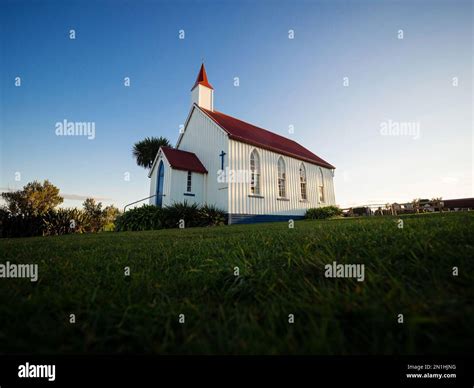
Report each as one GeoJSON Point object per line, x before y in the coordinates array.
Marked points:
{"type": "Point", "coordinates": [407, 271]}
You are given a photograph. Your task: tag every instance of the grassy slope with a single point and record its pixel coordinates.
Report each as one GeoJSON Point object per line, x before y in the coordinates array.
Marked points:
{"type": "Point", "coordinates": [190, 271]}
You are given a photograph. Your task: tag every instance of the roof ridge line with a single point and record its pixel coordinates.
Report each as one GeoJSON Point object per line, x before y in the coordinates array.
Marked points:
{"type": "Point", "coordinates": [311, 158]}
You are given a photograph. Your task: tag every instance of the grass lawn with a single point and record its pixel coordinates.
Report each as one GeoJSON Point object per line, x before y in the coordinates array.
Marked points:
{"type": "Point", "coordinates": [407, 271]}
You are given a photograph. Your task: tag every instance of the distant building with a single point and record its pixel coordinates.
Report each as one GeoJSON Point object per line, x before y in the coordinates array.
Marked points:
{"type": "Point", "coordinates": [458, 204]}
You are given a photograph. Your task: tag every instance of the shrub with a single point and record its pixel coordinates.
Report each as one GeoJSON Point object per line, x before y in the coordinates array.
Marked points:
{"type": "Point", "coordinates": [173, 214]}
{"type": "Point", "coordinates": [31, 212]}
{"type": "Point", "coordinates": [212, 216]}
{"type": "Point", "coordinates": [20, 225]}
{"type": "Point", "coordinates": [98, 219]}
{"type": "Point", "coordinates": [93, 214]}
{"type": "Point", "coordinates": [145, 217]}
{"type": "Point", "coordinates": [148, 217]}
{"type": "Point", "coordinates": [64, 221]}
{"type": "Point", "coordinates": [321, 213]}
{"type": "Point", "coordinates": [109, 215]}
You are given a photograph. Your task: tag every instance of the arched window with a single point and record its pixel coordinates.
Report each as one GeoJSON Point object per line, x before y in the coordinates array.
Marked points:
{"type": "Point", "coordinates": [254, 173]}
{"type": "Point", "coordinates": [321, 186]}
{"type": "Point", "coordinates": [159, 184]}
{"type": "Point", "coordinates": [281, 178]}
{"type": "Point", "coordinates": [303, 182]}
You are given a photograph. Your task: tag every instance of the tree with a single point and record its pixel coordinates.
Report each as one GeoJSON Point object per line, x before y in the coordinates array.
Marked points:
{"type": "Point", "coordinates": [35, 199]}
{"type": "Point", "coordinates": [98, 219]}
{"type": "Point", "coordinates": [93, 213]}
{"type": "Point", "coordinates": [145, 150]}
{"type": "Point", "coordinates": [110, 214]}
{"type": "Point", "coordinates": [91, 207]}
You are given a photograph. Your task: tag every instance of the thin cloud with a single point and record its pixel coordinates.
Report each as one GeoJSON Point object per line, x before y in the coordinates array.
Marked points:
{"type": "Point", "coordinates": [78, 197]}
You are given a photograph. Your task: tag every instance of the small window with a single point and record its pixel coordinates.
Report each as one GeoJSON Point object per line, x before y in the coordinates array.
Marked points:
{"type": "Point", "coordinates": [281, 178]}
{"type": "Point", "coordinates": [321, 186]}
{"type": "Point", "coordinates": [189, 185]}
{"type": "Point", "coordinates": [304, 196]}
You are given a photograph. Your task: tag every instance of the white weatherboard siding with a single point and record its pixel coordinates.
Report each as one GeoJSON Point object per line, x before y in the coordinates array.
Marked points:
{"type": "Point", "coordinates": [206, 139]}
{"type": "Point", "coordinates": [179, 181]}
{"type": "Point", "coordinates": [203, 97]}
{"type": "Point", "coordinates": [241, 203]}
{"type": "Point", "coordinates": [175, 185]}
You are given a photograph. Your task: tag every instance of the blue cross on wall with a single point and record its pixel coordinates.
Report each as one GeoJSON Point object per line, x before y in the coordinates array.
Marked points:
{"type": "Point", "coordinates": [222, 159]}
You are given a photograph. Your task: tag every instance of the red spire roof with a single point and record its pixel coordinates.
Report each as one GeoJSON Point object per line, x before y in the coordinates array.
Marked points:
{"type": "Point", "coordinates": [202, 79]}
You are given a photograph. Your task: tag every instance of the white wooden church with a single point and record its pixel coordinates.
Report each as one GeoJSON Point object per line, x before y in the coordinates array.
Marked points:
{"type": "Point", "coordinates": [251, 173]}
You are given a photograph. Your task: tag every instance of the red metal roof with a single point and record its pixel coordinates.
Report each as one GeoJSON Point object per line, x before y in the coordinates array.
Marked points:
{"type": "Point", "coordinates": [183, 160]}
{"type": "Point", "coordinates": [247, 133]}
{"type": "Point", "coordinates": [202, 79]}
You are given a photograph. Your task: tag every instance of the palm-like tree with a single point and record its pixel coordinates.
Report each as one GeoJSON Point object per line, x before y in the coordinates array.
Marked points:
{"type": "Point", "coordinates": [145, 150]}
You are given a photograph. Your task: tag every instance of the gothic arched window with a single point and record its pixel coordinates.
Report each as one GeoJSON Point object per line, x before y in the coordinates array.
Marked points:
{"type": "Point", "coordinates": [321, 186]}
{"type": "Point", "coordinates": [303, 182]}
{"type": "Point", "coordinates": [254, 173]}
{"type": "Point", "coordinates": [281, 178]}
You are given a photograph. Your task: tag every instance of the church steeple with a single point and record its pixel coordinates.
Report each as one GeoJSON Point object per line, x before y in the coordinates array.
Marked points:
{"type": "Point", "coordinates": [202, 93]}
{"type": "Point", "coordinates": [202, 79]}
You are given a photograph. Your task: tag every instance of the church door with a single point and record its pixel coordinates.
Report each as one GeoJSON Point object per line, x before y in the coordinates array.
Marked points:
{"type": "Point", "coordinates": [159, 185]}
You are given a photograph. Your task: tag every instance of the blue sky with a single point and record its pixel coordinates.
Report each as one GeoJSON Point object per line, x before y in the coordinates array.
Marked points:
{"type": "Point", "coordinates": [283, 82]}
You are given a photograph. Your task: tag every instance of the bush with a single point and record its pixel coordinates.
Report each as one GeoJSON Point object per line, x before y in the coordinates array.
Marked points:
{"type": "Point", "coordinates": [98, 219]}
{"type": "Point", "coordinates": [64, 221]}
{"type": "Point", "coordinates": [181, 211]}
{"type": "Point", "coordinates": [109, 215]}
{"type": "Point", "coordinates": [145, 217]}
{"type": "Point", "coordinates": [212, 216]}
{"type": "Point", "coordinates": [149, 217]}
{"type": "Point", "coordinates": [56, 222]}
{"type": "Point", "coordinates": [321, 213]}
{"type": "Point", "coordinates": [19, 225]}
